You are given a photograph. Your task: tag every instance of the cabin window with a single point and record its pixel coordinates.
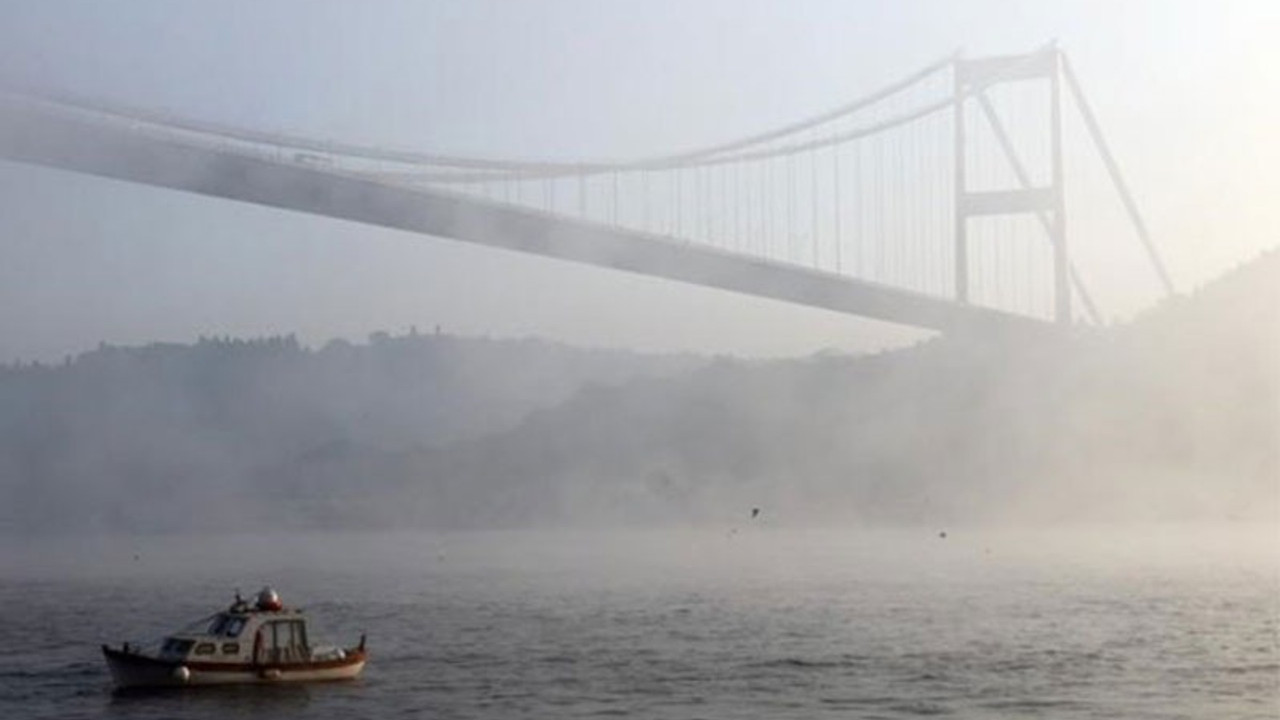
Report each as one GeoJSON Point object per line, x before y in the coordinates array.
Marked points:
{"type": "Point", "coordinates": [175, 646]}
{"type": "Point", "coordinates": [230, 648]}
{"type": "Point", "coordinates": [298, 634]}
{"type": "Point", "coordinates": [226, 626]}
{"type": "Point", "coordinates": [282, 635]}
{"type": "Point", "coordinates": [284, 641]}
{"type": "Point", "coordinates": [204, 649]}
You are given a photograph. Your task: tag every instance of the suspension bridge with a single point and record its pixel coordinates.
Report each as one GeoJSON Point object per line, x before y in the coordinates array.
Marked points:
{"type": "Point", "coordinates": [936, 201]}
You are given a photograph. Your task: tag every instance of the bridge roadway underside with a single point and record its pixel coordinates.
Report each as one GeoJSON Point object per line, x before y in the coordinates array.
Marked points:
{"type": "Point", "coordinates": [38, 135]}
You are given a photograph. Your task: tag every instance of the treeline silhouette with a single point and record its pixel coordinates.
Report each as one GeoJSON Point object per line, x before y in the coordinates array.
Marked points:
{"type": "Point", "coordinates": [1172, 417]}
{"type": "Point", "coordinates": [175, 436]}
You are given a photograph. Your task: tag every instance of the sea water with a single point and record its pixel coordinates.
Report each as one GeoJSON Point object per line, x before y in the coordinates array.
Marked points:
{"type": "Point", "coordinates": [748, 621]}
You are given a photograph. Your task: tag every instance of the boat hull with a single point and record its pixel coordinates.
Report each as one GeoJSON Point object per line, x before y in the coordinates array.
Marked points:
{"type": "Point", "coordinates": [134, 670]}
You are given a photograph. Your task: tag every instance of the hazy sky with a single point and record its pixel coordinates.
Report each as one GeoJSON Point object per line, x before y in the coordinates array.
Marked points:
{"type": "Point", "coordinates": [1188, 93]}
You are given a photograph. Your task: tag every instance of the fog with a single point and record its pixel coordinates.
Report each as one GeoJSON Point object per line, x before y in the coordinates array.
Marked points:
{"type": "Point", "coordinates": [1184, 91]}
{"type": "Point", "coordinates": [1169, 419]}
{"type": "Point", "coordinates": [642, 560]}
{"type": "Point", "coordinates": [203, 414]}
{"type": "Point", "coordinates": [523, 346]}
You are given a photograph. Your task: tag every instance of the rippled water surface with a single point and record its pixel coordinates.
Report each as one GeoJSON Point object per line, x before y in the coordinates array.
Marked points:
{"type": "Point", "coordinates": [734, 624]}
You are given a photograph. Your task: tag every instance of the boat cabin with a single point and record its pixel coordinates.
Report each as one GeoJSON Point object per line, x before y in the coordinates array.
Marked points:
{"type": "Point", "coordinates": [265, 633]}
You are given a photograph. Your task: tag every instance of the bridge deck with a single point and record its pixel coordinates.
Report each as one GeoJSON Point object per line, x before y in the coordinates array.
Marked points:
{"type": "Point", "coordinates": [36, 134]}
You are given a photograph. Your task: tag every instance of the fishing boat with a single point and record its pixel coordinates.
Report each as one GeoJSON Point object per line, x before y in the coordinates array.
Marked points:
{"type": "Point", "coordinates": [250, 642]}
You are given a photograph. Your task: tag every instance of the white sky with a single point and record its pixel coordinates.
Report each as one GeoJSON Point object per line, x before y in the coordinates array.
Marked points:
{"type": "Point", "coordinates": [1188, 93]}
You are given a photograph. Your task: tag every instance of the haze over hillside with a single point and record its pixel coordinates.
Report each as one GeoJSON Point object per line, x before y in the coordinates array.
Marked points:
{"type": "Point", "coordinates": [1173, 417]}
{"type": "Point", "coordinates": [185, 437]}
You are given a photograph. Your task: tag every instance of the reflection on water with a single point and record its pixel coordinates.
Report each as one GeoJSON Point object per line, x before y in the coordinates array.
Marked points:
{"type": "Point", "coordinates": [250, 700]}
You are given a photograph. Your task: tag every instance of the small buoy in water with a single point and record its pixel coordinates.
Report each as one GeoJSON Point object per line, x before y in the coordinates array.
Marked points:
{"type": "Point", "coordinates": [755, 513]}
{"type": "Point", "coordinates": [181, 673]}
{"type": "Point", "coordinates": [943, 534]}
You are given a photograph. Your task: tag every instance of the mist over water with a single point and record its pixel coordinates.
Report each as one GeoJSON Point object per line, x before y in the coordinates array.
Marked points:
{"type": "Point", "coordinates": [1077, 527]}
{"type": "Point", "coordinates": [751, 551]}
{"type": "Point", "coordinates": [1077, 523]}
{"type": "Point", "coordinates": [1083, 526]}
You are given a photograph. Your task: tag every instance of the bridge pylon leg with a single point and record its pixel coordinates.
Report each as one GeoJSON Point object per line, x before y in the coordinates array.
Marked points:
{"type": "Point", "coordinates": [972, 79]}
{"type": "Point", "coordinates": [1061, 263]}
{"type": "Point", "coordinates": [961, 219]}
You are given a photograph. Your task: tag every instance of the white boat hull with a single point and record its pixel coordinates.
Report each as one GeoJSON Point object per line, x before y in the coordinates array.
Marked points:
{"type": "Point", "coordinates": [135, 670]}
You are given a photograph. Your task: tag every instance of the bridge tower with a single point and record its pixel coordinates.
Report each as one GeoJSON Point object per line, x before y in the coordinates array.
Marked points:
{"type": "Point", "coordinates": [973, 77]}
